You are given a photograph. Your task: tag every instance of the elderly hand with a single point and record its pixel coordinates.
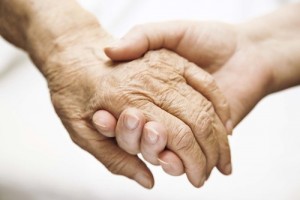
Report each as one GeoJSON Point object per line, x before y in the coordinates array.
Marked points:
{"type": "Point", "coordinates": [64, 42]}
{"type": "Point", "coordinates": [81, 82]}
{"type": "Point", "coordinates": [244, 59]}
{"type": "Point", "coordinates": [221, 49]}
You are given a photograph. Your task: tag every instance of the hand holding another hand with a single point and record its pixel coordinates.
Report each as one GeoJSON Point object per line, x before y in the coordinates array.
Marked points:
{"type": "Point", "coordinates": [167, 108]}
{"type": "Point", "coordinates": [240, 65]}
{"type": "Point", "coordinates": [244, 59]}
{"type": "Point", "coordinates": [163, 86]}
{"type": "Point", "coordinates": [225, 51]}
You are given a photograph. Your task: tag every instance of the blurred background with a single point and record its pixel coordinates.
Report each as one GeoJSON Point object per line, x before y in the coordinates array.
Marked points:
{"type": "Point", "coordinates": [38, 161]}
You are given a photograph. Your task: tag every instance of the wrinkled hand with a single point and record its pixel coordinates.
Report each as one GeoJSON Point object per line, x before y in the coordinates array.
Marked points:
{"type": "Point", "coordinates": [163, 86]}
{"type": "Point", "coordinates": [238, 62]}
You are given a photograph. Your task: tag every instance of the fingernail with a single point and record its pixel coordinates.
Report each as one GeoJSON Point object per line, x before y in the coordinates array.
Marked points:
{"type": "Point", "coordinates": [228, 169]}
{"type": "Point", "coordinates": [131, 122]}
{"type": "Point", "coordinates": [144, 180]}
{"type": "Point", "coordinates": [152, 135]}
{"type": "Point", "coordinates": [101, 123]}
{"type": "Point", "coordinates": [161, 162]}
{"type": "Point", "coordinates": [165, 165]}
{"type": "Point", "coordinates": [229, 127]}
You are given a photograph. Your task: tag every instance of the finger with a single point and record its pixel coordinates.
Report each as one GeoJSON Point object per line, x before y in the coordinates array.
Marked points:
{"type": "Point", "coordinates": [153, 144]}
{"type": "Point", "coordinates": [181, 141]}
{"type": "Point", "coordinates": [198, 117]}
{"type": "Point", "coordinates": [142, 38]}
{"type": "Point", "coordinates": [169, 35]}
{"type": "Point", "coordinates": [224, 164]}
{"type": "Point", "coordinates": [204, 83]}
{"type": "Point", "coordinates": [171, 163]}
{"type": "Point", "coordinates": [153, 141]}
{"type": "Point", "coordinates": [105, 123]}
{"type": "Point", "coordinates": [121, 163]}
{"type": "Point", "coordinates": [129, 130]}
{"type": "Point", "coordinates": [111, 156]}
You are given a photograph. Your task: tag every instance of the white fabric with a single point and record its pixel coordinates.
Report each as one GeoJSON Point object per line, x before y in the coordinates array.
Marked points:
{"type": "Point", "coordinates": [39, 161]}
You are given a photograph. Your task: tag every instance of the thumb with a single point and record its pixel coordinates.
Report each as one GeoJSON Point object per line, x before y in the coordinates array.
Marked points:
{"type": "Point", "coordinates": [119, 162]}
{"type": "Point", "coordinates": [113, 158]}
{"type": "Point", "coordinates": [143, 38]}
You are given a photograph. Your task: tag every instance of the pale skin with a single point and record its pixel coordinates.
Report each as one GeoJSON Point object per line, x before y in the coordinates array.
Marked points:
{"type": "Point", "coordinates": [66, 44]}
{"type": "Point", "coordinates": [248, 61]}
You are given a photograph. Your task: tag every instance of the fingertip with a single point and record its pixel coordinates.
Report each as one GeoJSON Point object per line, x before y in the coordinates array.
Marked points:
{"type": "Point", "coordinates": [151, 135]}
{"type": "Point", "coordinates": [226, 170]}
{"type": "Point", "coordinates": [109, 52]}
{"type": "Point", "coordinates": [114, 53]}
{"type": "Point", "coordinates": [115, 50]}
{"type": "Point", "coordinates": [105, 123]}
{"type": "Point", "coordinates": [154, 131]}
{"type": "Point", "coordinates": [124, 50]}
{"type": "Point", "coordinates": [144, 179]}
{"type": "Point", "coordinates": [171, 163]}
{"type": "Point", "coordinates": [153, 141]}
{"type": "Point", "coordinates": [129, 130]}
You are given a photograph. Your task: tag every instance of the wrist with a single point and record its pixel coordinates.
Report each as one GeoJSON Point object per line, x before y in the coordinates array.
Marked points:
{"type": "Point", "coordinates": [62, 30]}
{"type": "Point", "coordinates": [53, 28]}
{"type": "Point", "coordinates": [276, 38]}
{"type": "Point", "coordinates": [254, 41]}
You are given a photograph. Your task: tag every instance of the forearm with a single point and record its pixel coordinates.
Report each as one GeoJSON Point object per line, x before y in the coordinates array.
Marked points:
{"type": "Point", "coordinates": [278, 38]}
{"type": "Point", "coordinates": [40, 27]}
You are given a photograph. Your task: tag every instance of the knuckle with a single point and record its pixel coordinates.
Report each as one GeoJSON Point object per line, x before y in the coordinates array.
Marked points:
{"type": "Point", "coordinates": [224, 103]}
{"type": "Point", "coordinates": [210, 83]}
{"type": "Point", "coordinates": [183, 140]}
{"type": "Point", "coordinates": [203, 125]}
{"type": "Point", "coordinates": [170, 99]}
{"type": "Point", "coordinates": [209, 109]}
{"type": "Point", "coordinates": [115, 164]}
{"type": "Point", "coordinates": [122, 97]}
{"type": "Point", "coordinates": [166, 96]}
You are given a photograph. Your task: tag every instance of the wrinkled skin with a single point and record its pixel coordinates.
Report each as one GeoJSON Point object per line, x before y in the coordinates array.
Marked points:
{"type": "Point", "coordinates": [65, 42]}
{"type": "Point", "coordinates": [244, 59]}
{"type": "Point", "coordinates": [155, 84]}
{"type": "Point", "coordinates": [221, 49]}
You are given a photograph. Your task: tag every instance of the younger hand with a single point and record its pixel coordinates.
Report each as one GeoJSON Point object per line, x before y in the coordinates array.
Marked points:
{"type": "Point", "coordinates": [239, 64]}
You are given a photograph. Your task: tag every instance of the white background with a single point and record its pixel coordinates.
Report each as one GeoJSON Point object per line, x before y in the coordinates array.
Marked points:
{"type": "Point", "coordinates": [39, 161]}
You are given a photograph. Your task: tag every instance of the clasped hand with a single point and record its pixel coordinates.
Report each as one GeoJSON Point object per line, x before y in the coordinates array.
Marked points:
{"type": "Point", "coordinates": [163, 87]}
